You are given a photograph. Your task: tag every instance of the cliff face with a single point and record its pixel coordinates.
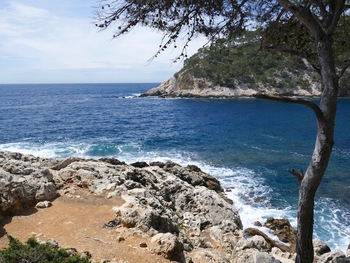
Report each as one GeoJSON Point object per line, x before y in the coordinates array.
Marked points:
{"type": "Point", "coordinates": [186, 85]}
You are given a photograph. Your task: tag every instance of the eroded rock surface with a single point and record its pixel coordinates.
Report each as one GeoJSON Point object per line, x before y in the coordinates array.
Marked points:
{"type": "Point", "coordinates": [24, 180]}
{"type": "Point", "coordinates": [181, 211]}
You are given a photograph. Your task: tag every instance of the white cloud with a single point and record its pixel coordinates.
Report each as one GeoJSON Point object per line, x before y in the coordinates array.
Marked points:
{"type": "Point", "coordinates": [37, 41]}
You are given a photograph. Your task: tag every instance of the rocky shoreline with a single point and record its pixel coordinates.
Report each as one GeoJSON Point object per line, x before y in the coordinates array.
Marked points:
{"type": "Point", "coordinates": [182, 212]}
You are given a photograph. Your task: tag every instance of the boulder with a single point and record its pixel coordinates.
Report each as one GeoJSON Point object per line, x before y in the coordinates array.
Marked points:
{"type": "Point", "coordinates": [255, 242]}
{"type": "Point", "coordinates": [276, 252]}
{"type": "Point", "coordinates": [165, 244]}
{"type": "Point", "coordinates": [343, 260]}
{"type": "Point", "coordinates": [25, 181]}
{"type": "Point", "coordinates": [283, 230]}
{"type": "Point", "coordinates": [112, 161]}
{"type": "Point", "coordinates": [139, 164]}
{"type": "Point", "coordinates": [253, 256]}
{"type": "Point", "coordinates": [272, 243]}
{"type": "Point", "coordinates": [157, 163]}
{"type": "Point", "coordinates": [64, 163]}
{"type": "Point", "coordinates": [209, 255]}
{"type": "Point", "coordinates": [320, 248]}
{"type": "Point", "coordinates": [331, 257]}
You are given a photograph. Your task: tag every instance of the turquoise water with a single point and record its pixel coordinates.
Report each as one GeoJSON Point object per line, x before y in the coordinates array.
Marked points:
{"type": "Point", "coordinates": [248, 144]}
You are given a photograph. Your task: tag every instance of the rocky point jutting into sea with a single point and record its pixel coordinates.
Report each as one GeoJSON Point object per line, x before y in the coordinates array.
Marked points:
{"type": "Point", "coordinates": [175, 213]}
{"type": "Point", "coordinates": [185, 85]}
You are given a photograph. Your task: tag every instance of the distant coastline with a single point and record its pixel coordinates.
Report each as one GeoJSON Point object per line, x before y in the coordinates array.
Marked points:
{"type": "Point", "coordinates": [187, 86]}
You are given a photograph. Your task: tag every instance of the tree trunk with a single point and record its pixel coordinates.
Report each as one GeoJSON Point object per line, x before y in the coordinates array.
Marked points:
{"type": "Point", "coordinates": [322, 151]}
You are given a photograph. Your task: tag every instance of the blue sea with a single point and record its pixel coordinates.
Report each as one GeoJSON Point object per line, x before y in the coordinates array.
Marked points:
{"type": "Point", "coordinates": [248, 144]}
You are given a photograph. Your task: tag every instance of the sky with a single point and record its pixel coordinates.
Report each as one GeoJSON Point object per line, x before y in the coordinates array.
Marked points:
{"type": "Point", "coordinates": [56, 41]}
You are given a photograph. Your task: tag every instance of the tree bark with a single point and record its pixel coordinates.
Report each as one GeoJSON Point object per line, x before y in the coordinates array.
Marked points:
{"type": "Point", "coordinates": [322, 151]}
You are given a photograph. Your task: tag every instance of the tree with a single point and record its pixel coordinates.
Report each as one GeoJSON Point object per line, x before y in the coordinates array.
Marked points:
{"type": "Point", "coordinates": [312, 24]}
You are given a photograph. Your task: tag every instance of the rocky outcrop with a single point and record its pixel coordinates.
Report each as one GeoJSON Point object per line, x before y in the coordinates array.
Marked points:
{"type": "Point", "coordinates": [182, 210]}
{"type": "Point", "coordinates": [185, 85]}
{"type": "Point", "coordinates": [160, 198]}
{"type": "Point", "coordinates": [24, 181]}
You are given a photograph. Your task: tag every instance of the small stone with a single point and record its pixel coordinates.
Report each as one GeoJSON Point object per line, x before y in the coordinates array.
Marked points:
{"type": "Point", "coordinates": [86, 255]}
{"type": "Point", "coordinates": [257, 223]}
{"type": "Point", "coordinates": [52, 243]}
{"type": "Point", "coordinates": [120, 239]}
{"type": "Point", "coordinates": [143, 244]}
{"type": "Point", "coordinates": [41, 242]}
{"type": "Point", "coordinates": [72, 251]}
{"type": "Point", "coordinates": [113, 223]}
{"type": "Point", "coordinates": [43, 204]}
{"type": "Point", "coordinates": [187, 247]}
{"type": "Point", "coordinates": [138, 233]}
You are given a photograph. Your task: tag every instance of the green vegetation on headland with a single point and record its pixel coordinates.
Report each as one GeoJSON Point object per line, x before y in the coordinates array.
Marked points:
{"type": "Point", "coordinates": [245, 61]}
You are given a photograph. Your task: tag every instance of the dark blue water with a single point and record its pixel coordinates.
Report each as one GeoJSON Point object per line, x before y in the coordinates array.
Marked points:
{"type": "Point", "coordinates": [246, 143]}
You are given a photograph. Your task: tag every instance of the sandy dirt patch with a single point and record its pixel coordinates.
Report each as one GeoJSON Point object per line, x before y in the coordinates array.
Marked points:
{"type": "Point", "coordinates": [78, 222]}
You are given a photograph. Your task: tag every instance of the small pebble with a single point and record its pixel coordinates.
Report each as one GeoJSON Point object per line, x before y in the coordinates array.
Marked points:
{"type": "Point", "coordinates": [53, 243]}
{"type": "Point", "coordinates": [257, 223]}
{"type": "Point", "coordinates": [43, 204]}
{"type": "Point", "coordinates": [86, 255]}
{"type": "Point", "coordinates": [120, 239]}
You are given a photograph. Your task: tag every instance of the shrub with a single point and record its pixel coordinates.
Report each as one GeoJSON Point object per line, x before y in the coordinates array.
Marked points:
{"type": "Point", "coordinates": [35, 252]}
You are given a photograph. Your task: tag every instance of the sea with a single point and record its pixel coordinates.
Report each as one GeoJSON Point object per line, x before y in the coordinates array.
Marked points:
{"type": "Point", "coordinates": [248, 144]}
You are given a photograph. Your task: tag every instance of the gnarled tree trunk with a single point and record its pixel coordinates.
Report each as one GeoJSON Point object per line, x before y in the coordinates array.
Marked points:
{"type": "Point", "coordinates": [321, 155]}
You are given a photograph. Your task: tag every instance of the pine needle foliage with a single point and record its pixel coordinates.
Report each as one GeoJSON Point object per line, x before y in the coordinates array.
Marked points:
{"type": "Point", "coordinates": [34, 252]}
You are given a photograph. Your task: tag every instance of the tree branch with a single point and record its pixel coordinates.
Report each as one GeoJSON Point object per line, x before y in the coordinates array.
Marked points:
{"type": "Point", "coordinates": [304, 15]}
{"type": "Point", "coordinates": [311, 66]}
{"type": "Point", "coordinates": [308, 103]}
{"type": "Point", "coordinates": [322, 8]}
{"type": "Point", "coordinates": [338, 10]}
{"type": "Point", "coordinates": [298, 174]}
{"type": "Point", "coordinates": [343, 70]}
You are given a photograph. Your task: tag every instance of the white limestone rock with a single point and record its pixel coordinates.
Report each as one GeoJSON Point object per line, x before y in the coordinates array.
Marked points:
{"type": "Point", "coordinates": [165, 244]}
{"type": "Point", "coordinates": [331, 257]}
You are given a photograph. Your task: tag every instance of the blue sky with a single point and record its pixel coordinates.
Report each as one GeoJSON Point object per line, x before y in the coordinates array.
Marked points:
{"type": "Point", "coordinates": [56, 41]}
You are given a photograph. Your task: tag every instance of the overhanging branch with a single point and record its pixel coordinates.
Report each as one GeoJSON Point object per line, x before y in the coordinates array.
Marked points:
{"type": "Point", "coordinates": [308, 103]}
